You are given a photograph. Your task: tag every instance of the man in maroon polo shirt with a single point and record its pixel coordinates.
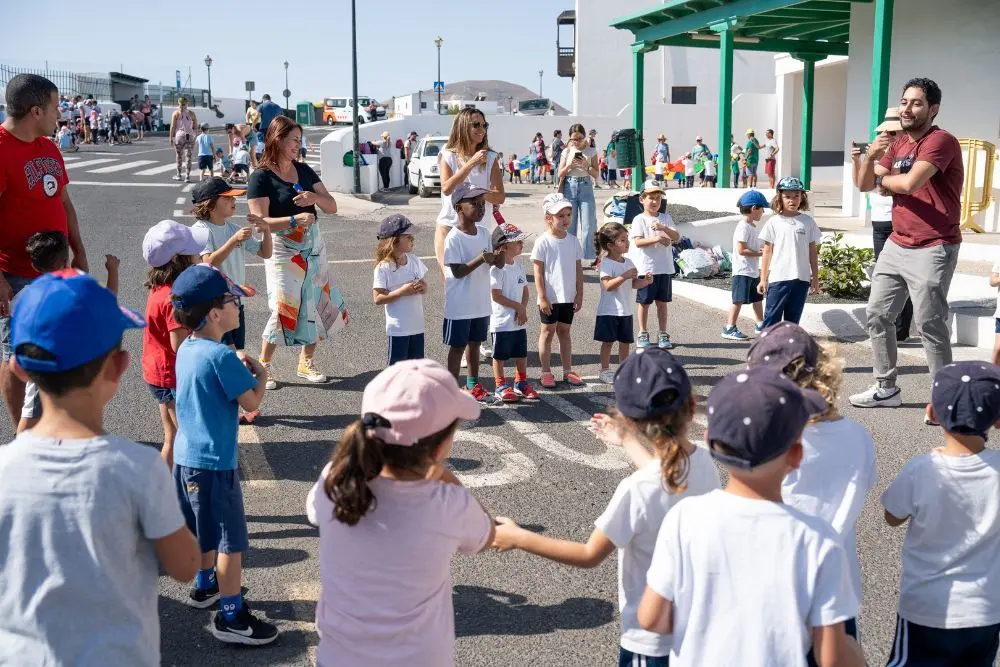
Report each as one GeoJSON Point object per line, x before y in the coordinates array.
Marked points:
{"type": "Point", "coordinates": [923, 173]}
{"type": "Point", "coordinates": [33, 198]}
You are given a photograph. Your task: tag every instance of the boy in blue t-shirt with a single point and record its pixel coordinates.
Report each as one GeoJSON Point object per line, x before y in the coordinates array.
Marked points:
{"type": "Point", "coordinates": [213, 382]}
{"type": "Point", "coordinates": [206, 153]}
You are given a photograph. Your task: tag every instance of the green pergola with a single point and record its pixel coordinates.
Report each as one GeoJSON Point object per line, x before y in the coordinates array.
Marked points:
{"type": "Point", "coordinates": [809, 30]}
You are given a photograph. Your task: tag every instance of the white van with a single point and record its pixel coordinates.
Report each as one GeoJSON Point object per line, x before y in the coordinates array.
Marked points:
{"type": "Point", "coordinates": [341, 110]}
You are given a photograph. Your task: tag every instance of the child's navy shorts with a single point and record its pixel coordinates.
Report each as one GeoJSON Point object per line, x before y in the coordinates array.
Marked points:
{"type": "Point", "coordinates": [614, 329]}
{"type": "Point", "coordinates": [163, 395]}
{"type": "Point", "coordinates": [459, 333]}
{"type": "Point", "coordinates": [562, 313]}
{"type": "Point", "coordinates": [510, 345]}
{"type": "Point", "coordinates": [212, 504]}
{"type": "Point", "coordinates": [238, 336]}
{"type": "Point", "coordinates": [402, 348]}
{"type": "Point", "coordinates": [920, 646]}
{"type": "Point", "coordinates": [745, 290]}
{"type": "Point", "coordinates": [661, 289]}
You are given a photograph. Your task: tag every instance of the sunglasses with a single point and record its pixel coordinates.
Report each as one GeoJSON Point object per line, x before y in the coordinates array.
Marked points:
{"type": "Point", "coordinates": [478, 124]}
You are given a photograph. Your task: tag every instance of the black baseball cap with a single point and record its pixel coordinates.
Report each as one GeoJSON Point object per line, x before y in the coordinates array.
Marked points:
{"type": "Point", "coordinates": [966, 397]}
{"type": "Point", "coordinates": [395, 225]}
{"type": "Point", "coordinates": [642, 379]}
{"type": "Point", "coordinates": [212, 188]}
{"type": "Point", "coordinates": [758, 414]}
{"type": "Point", "coordinates": [782, 343]}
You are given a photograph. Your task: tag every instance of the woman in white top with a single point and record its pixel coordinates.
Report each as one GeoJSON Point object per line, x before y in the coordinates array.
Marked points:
{"type": "Point", "coordinates": [385, 160]}
{"type": "Point", "coordinates": [467, 158]}
{"type": "Point", "coordinates": [182, 125]}
{"type": "Point", "coordinates": [579, 166]}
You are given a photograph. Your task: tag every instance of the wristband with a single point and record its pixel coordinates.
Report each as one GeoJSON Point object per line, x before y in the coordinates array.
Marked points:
{"type": "Point", "coordinates": [292, 224]}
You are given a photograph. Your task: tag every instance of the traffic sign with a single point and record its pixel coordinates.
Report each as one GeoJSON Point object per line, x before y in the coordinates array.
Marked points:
{"type": "Point", "coordinates": [439, 86]}
{"type": "Point", "coordinates": [250, 86]}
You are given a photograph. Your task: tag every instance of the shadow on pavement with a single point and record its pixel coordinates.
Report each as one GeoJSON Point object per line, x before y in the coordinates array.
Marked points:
{"type": "Point", "coordinates": [487, 611]}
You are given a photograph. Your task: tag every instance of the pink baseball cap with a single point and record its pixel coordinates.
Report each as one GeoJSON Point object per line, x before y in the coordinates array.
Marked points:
{"type": "Point", "coordinates": [413, 399]}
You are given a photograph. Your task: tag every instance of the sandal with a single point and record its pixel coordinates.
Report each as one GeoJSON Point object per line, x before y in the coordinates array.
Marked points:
{"type": "Point", "coordinates": [572, 379]}
{"type": "Point", "coordinates": [547, 380]}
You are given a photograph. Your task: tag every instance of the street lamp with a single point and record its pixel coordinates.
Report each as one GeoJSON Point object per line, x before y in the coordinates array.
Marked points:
{"type": "Point", "coordinates": [286, 92]}
{"type": "Point", "coordinates": [208, 64]}
{"type": "Point", "coordinates": [540, 73]}
{"type": "Point", "coordinates": [438, 42]}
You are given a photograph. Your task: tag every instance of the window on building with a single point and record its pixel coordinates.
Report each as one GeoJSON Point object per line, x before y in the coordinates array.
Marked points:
{"type": "Point", "coordinates": [684, 95]}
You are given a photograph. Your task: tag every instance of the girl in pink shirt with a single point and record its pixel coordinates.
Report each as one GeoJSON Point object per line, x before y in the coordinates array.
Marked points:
{"type": "Point", "coordinates": [390, 517]}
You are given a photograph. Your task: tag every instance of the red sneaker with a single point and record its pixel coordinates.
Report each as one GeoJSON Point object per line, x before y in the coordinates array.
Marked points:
{"type": "Point", "coordinates": [525, 390]}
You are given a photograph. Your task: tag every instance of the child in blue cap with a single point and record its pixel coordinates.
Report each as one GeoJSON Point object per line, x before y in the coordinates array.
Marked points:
{"type": "Point", "coordinates": [87, 518]}
{"type": "Point", "coordinates": [747, 250]}
{"type": "Point", "coordinates": [213, 382]}
{"type": "Point", "coordinates": [949, 592]}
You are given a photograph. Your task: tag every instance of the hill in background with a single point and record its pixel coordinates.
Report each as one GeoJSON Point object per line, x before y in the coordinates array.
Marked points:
{"type": "Point", "coordinates": [493, 90]}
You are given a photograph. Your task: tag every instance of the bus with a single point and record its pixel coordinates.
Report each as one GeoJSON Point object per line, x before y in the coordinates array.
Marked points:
{"type": "Point", "coordinates": [537, 107]}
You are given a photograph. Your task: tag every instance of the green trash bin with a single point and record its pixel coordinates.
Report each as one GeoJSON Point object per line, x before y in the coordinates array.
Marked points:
{"type": "Point", "coordinates": [625, 147]}
{"type": "Point", "coordinates": [304, 113]}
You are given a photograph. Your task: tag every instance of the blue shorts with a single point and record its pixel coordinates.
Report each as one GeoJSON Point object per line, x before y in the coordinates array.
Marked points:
{"type": "Point", "coordinates": [459, 333]}
{"type": "Point", "coordinates": [745, 290]}
{"type": "Point", "coordinates": [920, 646]}
{"type": "Point", "coordinates": [614, 329]}
{"type": "Point", "coordinates": [402, 348]}
{"type": "Point", "coordinates": [212, 505]}
{"type": "Point", "coordinates": [17, 283]}
{"type": "Point", "coordinates": [627, 658]}
{"type": "Point", "coordinates": [238, 336]}
{"type": "Point", "coordinates": [163, 395]}
{"type": "Point", "coordinates": [661, 289]}
{"type": "Point", "coordinates": [510, 345]}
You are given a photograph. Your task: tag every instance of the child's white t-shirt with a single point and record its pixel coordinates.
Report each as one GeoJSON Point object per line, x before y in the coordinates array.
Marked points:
{"type": "Point", "coordinates": [469, 297]}
{"type": "Point", "coordinates": [405, 315]}
{"type": "Point", "coordinates": [837, 472]}
{"type": "Point", "coordinates": [511, 281]}
{"type": "Point", "coordinates": [749, 579]}
{"type": "Point", "coordinates": [951, 571]}
{"type": "Point", "coordinates": [617, 301]}
{"type": "Point", "coordinates": [790, 238]}
{"type": "Point", "coordinates": [559, 258]}
{"type": "Point", "coordinates": [385, 583]}
{"type": "Point", "coordinates": [748, 234]}
{"type": "Point", "coordinates": [657, 258]}
{"type": "Point", "coordinates": [632, 521]}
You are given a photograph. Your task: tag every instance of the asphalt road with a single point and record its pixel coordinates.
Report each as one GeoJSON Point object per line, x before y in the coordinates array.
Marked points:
{"type": "Point", "coordinates": [536, 463]}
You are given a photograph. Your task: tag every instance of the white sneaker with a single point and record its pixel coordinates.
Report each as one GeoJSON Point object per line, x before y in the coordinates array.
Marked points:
{"type": "Point", "coordinates": [607, 376]}
{"type": "Point", "coordinates": [307, 370]}
{"type": "Point", "coordinates": [271, 383]}
{"type": "Point", "coordinates": [878, 397]}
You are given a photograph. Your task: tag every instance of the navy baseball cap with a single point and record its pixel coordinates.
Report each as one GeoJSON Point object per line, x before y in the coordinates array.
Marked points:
{"type": "Point", "coordinates": [966, 397]}
{"type": "Point", "coordinates": [395, 225]}
{"type": "Point", "coordinates": [644, 376]}
{"type": "Point", "coordinates": [201, 283]}
{"type": "Point", "coordinates": [782, 343]}
{"type": "Point", "coordinates": [52, 312]}
{"type": "Point", "coordinates": [758, 414]}
{"type": "Point", "coordinates": [753, 198]}
{"type": "Point", "coordinates": [465, 191]}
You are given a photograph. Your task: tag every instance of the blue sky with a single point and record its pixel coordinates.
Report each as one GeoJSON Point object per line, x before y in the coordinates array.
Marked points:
{"type": "Point", "coordinates": [506, 39]}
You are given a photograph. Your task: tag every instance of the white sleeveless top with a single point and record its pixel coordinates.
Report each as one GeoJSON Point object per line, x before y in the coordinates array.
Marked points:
{"type": "Point", "coordinates": [478, 177]}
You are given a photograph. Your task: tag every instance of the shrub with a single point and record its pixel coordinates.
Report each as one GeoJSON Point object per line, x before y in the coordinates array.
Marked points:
{"type": "Point", "coordinates": [842, 268]}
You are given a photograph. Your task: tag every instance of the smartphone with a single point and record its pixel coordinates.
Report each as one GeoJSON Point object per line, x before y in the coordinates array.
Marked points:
{"type": "Point", "coordinates": [861, 145]}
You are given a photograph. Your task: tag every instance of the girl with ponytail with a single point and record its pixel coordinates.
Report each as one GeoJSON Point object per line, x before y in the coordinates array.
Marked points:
{"type": "Point", "coordinates": [654, 409]}
{"type": "Point", "coordinates": [390, 517]}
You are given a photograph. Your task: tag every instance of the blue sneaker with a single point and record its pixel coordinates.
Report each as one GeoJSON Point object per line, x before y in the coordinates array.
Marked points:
{"type": "Point", "coordinates": [643, 340]}
{"type": "Point", "coordinates": [733, 333]}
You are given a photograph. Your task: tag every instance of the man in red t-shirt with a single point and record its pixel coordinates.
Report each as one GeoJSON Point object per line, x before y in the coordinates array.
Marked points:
{"type": "Point", "coordinates": [923, 173]}
{"type": "Point", "coordinates": [33, 198]}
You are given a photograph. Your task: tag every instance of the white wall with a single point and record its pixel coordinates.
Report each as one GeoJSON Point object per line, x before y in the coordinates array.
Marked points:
{"type": "Point", "coordinates": [603, 83]}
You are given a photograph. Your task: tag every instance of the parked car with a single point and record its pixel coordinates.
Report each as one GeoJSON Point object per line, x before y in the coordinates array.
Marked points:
{"type": "Point", "coordinates": [425, 177]}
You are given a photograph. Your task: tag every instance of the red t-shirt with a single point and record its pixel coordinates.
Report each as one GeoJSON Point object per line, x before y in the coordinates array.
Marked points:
{"type": "Point", "coordinates": [931, 215]}
{"type": "Point", "coordinates": [158, 357]}
{"type": "Point", "coordinates": [32, 178]}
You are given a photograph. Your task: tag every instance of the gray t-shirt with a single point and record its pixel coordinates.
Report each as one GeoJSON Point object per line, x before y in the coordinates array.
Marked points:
{"type": "Point", "coordinates": [234, 265]}
{"type": "Point", "coordinates": [78, 582]}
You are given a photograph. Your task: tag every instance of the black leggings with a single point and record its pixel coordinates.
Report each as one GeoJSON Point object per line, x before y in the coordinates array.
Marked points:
{"type": "Point", "coordinates": [384, 165]}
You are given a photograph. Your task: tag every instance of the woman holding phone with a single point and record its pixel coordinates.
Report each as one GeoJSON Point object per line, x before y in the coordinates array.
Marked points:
{"type": "Point", "coordinates": [577, 170]}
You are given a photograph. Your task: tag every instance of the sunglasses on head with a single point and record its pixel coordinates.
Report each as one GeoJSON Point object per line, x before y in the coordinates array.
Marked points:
{"type": "Point", "coordinates": [476, 124]}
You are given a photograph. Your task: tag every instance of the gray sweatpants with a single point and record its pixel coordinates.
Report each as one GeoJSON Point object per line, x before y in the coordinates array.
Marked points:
{"type": "Point", "coordinates": [925, 274]}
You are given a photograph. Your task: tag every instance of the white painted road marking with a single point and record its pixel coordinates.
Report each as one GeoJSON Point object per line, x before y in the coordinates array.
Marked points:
{"type": "Point", "coordinates": [153, 171]}
{"type": "Point", "coordinates": [120, 167]}
{"type": "Point", "coordinates": [88, 163]}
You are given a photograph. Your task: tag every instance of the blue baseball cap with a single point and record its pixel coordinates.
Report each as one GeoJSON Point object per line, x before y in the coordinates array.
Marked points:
{"type": "Point", "coordinates": [753, 198]}
{"type": "Point", "coordinates": [758, 414]}
{"type": "Point", "coordinates": [201, 283]}
{"type": "Point", "coordinates": [52, 312]}
{"type": "Point", "coordinates": [644, 376]}
{"type": "Point", "coordinates": [966, 397]}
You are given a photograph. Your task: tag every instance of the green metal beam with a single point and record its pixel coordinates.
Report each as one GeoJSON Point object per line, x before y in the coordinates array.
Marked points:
{"type": "Point", "coordinates": [769, 45]}
{"type": "Point", "coordinates": [881, 52]}
{"type": "Point", "coordinates": [708, 17]}
{"type": "Point", "coordinates": [725, 104]}
{"type": "Point", "coordinates": [638, 86]}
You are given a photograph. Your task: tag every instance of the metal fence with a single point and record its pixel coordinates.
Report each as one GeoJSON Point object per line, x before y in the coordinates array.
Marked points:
{"type": "Point", "coordinates": [69, 83]}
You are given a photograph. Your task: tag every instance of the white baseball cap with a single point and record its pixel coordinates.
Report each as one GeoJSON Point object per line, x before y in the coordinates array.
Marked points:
{"type": "Point", "coordinates": [555, 202]}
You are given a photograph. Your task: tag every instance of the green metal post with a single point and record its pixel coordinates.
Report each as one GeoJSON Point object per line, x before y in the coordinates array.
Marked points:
{"type": "Point", "coordinates": [881, 51]}
{"type": "Point", "coordinates": [725, 105]}
{"type": "Point", "coordinates": [638, 85]}
{"type": "Point", "coordinates": [808, 87]}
